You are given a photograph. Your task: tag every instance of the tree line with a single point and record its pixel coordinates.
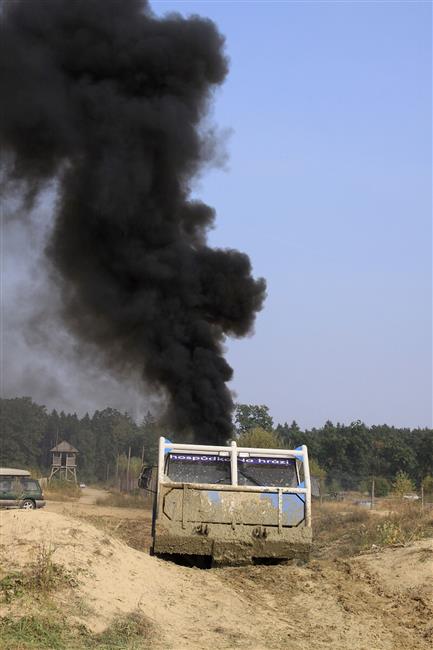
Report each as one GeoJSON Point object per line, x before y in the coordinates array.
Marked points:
{"type": "Point", "coordinates": [347, 454]}
{"type": "Point", "coordinates": [104, 440]}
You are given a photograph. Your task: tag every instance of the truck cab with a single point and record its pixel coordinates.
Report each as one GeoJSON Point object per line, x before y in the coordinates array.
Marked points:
{"type": "Point", "coordinates": [233, 505]}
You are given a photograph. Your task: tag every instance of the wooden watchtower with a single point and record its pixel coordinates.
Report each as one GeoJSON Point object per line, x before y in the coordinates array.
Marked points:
{"type": "Point", "coordinates": [64, 461]}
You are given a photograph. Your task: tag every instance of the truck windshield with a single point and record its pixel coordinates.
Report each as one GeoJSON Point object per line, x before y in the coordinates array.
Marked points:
{"type": "Point", "coordinates": [198, 468]}
{"type": "Point", "coordinates": [210, 468]}
{"type": "Point", "coordinates": [271, 472]}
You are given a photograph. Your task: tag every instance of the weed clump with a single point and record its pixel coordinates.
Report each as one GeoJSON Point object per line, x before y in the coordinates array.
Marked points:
{"type": "Point", "coordinates": [40, 577]}
{"type": "Point", "coordinates": [389, 533]}
{"type": "Point", "coordinates": [132, 632]}
{"type": "Point", "coordinates": [30, 632]}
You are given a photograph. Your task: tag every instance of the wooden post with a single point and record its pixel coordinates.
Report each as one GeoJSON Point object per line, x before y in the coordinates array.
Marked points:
{"type": "Point", "coordinates": [127, 469]}
{"type": "Point", "coordinates": [372, 495]}
{"type": "Point", "coordinates": [142, 455]}
{"type": "Point", "coordinates": [422, 496]}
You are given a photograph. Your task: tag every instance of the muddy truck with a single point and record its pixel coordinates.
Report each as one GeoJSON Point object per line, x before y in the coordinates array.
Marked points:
{"type": "Point", "coordinates": [228, 504]}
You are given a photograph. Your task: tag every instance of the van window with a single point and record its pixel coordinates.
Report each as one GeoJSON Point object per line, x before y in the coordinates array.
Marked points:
{"type": "Point", "coordinates": [5, 484]}
{"type": "Point", "coordinates": [30, 485]}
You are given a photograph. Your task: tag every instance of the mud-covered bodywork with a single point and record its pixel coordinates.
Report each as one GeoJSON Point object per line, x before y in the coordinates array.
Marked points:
{"type": "Point", "coordinates": [256, 503]}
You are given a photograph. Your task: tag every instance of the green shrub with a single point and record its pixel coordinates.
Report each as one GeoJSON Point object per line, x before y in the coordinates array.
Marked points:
{"type": "Point", "coordinates": [382, 486]}
{"type": "Point", "coordinates": [428, 484]}
{"type": "Point", "coordinates": [388, 533]}
{"type": "Point", "coordinates": [316, 470]}
{"type": "Point", "coordinates": [402, 484]}
{"type": "Point", "coordinates": [258, 437]}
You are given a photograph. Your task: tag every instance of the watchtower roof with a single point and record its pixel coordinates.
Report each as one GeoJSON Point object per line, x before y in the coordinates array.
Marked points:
{"type": "Point", "coordinates": [64, 446]}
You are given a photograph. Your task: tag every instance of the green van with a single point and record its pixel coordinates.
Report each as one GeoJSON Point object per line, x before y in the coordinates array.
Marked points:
{"type": "Point", "coordinates": [19, 490]}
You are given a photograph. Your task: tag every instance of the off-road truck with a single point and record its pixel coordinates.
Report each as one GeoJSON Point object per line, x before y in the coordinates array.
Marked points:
{"type": "Point", "coordinates": [232, 505]}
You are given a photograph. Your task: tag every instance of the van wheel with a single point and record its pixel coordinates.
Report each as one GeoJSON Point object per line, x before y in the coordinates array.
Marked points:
{"type": "Point", "coordinates": [28, 504]}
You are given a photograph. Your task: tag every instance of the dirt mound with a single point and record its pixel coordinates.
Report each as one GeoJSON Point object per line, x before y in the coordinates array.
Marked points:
{"type": "Point", "coordinates": [186, 605]}
{"type": "Point", "coordinates": [358, 603]}
{"type": "Point", "coordinates": [361, 603]}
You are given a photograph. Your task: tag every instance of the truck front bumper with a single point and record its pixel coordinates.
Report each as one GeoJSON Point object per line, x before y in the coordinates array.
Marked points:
{"type": "Point", "coordinates": [236, 545]}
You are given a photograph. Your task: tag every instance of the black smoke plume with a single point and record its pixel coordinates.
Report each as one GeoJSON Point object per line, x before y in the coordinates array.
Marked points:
{"type": "Point", "coordinates": [109, 100]}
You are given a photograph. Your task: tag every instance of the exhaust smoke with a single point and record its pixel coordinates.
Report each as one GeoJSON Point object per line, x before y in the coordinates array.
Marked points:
{"type": "Point", "coordinates": [109, 100]}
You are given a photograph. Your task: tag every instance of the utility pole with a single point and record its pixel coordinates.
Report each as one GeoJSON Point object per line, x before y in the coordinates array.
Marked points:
{"type": "Point", "coordinates": [127, 469]}
{"type": "Point", "coordinates": [372, 495]}
{"type": "Point", "coordinates": [422, 496]}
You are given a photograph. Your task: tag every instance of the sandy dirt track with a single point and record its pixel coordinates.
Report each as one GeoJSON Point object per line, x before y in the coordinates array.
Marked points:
{"type": "Point", "coordinates": [86, 506]}
{"type": "Point", "coordinates": [380, 601]}
{"type": "Point", "coordinates": [89, 496]}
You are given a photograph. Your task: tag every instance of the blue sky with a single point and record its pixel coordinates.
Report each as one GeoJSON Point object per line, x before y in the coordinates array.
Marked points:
{"type": "Point", "coordinates": [328, 189]}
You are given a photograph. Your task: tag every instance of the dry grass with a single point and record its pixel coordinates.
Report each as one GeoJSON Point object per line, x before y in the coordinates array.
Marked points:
{"type": "Point", "coordinates": [39, 578]}
{"type": "Point", "coordinates": [46, 632]}
{"type": "Point", "coordinates": [62, 491]}
{"type": "Point", "coordinates": [344, 529]}
{"type": "Point", "coordinates": [340, 529]}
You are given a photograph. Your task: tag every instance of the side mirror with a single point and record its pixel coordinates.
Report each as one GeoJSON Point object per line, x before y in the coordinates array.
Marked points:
{"type": "Point", "coordinates": [146, 479]}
